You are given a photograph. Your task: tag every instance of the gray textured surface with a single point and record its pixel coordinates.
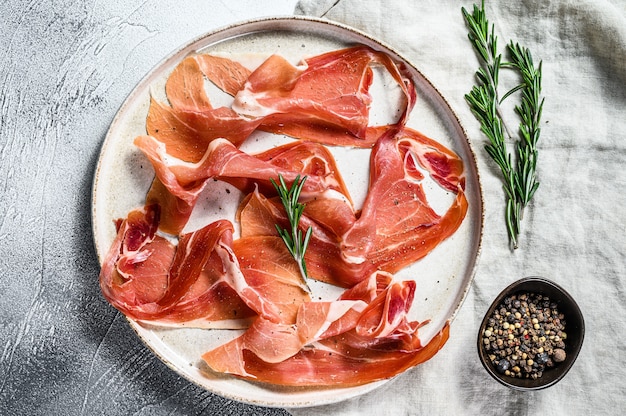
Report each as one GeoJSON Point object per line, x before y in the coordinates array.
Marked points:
{"type": "Point", "coordinates": [65, 68]}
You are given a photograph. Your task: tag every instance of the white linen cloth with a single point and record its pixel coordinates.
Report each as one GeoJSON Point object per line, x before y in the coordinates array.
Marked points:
{"type": "Point", "coordinates": [574, 230]}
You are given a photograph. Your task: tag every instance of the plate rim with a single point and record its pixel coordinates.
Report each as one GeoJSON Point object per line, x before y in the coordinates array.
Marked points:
{"type": "Point", "coordinates": [281, 22]}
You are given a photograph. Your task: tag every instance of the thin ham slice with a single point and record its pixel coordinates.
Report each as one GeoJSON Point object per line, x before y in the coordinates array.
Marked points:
{"type": "Point", "coordinates": [325, 98]}
{"type": "Point", "coordinates": [270, 281]}
{"type": "Point", "coordinates": [222, 160]}
{"type": "Point", "coordinates": [277, 341]}
{"type": "Point", "coordinates": [185, 86]}
{"type": "Point", "coordinates": [228, 75]}
{"type": "Point", "coordinates": [345, 361]}
{"type": "Point", "coordinates": [397, 226]}
{"type": "Point", "coordinates": [258, 215]}
{"type": "Point", "coordinates": [149, 279]}
{"type": "Point", "coordinates": [131, 254]}
{"type": "Point", "coordinates": [186, 134]}
{"type": "Point", "coordinates": [190, 122]}
{"type": "Point", "coordinates": [347, 342]}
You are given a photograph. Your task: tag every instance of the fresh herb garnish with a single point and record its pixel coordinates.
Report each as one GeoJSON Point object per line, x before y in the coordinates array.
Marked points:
{"type": "Point", "coordinates": [295, 241]}
{"type": "Point", "coordinates": [520, 179]}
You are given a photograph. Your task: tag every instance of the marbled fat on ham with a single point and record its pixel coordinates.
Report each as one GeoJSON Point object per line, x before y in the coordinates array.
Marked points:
{"type": "Point", "coordinates": [212, 279]}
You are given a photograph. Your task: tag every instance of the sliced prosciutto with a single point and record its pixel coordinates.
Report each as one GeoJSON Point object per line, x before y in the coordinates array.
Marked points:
{"type": "Point", "coordinates": [137, 251]}
{"type": "Point", "coordinates": [150, 280]}
{"type": "Point", "coordinates": [190, 122]}
{"type": "Point", "coordinates": [270, 281]}
{"type": "Point", "coordinates": [185, 87]}
{"type": "Point", "coordinates": [345, 342]}
{"type": "Point", "coordinates": [187, 134]}
{"type": "Point", "coordinates": [325, 262]}
{"type": "Point", "coordinates": [397, 226]}
{"type": "Point", "coordinates": [345, 360]}
{"type": "Point", "coordinates": [222, 160]}
{"type": "Point", "coordinates": [326, 98]}
{"type": "Point", "coordinates": [215, 277]}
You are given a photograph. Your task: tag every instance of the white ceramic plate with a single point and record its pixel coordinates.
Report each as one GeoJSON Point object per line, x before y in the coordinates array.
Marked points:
{"type": "Point", "coordinates": [123, 177]}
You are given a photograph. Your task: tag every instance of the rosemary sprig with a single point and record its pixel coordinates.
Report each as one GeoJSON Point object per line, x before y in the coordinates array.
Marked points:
{"type": "Point", "coordinates": [295, 241]}
{"type": "Point", "coordinates": [520, 179]}
{"type": "Point", "coordinates": [530, 113]}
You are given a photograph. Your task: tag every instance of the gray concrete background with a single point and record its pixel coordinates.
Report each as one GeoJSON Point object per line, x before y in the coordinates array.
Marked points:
{"type": "Point", "coordinates": [65, 68]}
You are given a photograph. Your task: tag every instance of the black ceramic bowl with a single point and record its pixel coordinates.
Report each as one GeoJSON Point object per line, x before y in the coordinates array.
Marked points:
{"type": "Point", "coordinates": [574, 328]}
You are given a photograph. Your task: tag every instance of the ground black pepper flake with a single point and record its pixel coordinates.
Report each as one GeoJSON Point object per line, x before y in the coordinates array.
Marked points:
{"type": "Point", "coordinates": [525, 335]}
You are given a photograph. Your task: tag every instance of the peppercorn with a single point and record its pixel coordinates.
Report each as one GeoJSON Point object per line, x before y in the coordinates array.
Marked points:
{"type": "Point", "coordinates": [559, 355]}
{"type": "Point", "coordinates": [526, 335]}
{"type": "Point", "coordinates": [542, 358]}
{"type": "Point", "coordinates": [502, 366]}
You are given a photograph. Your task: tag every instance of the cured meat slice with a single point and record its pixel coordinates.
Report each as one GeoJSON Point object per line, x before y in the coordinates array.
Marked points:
{"type": "Point", "coordinates": [150, 280]}
{"type": "Point", "coordinates": [311, 159]}
{"type": "Point", "coordinates": [247, 172]}
{"type": "Point", "coordinates": [397, 226]}
{"type": "Point", "coordinates": [211, 301]}
{"type": "Point", "coordinates": [187, 134]}
{"type": "Point", "coordinates": [175, 212]}
{"type": "Point", "coordinates": [444, 166]}
{"type": "Point", "coordinates": [224, 161]}
{"type": "Point", "coordinates": [270, 281]}
{"type": "Point", "coordinates": [190, 122]}
{"type": "Point", "coordinates": [335, 362]}
{"type": "Point", "coordinates": [345, 342]}
{"type": "Point", "coordinates": [258, 215]}
{"type": "Point", "coordinates": [321, 320]}
{"type": "Point", "coordinates": [136, 251]}
{"type": "Point", "coordinates": [387, 315]}
{"type": "Point", "coordinates": [368, 289]}
{"type": "Point", "coordinates": [185, 86]}
{"type": "Point", "coordinates": [326, 98]}
{"type": "Point", "coordinates": [192, 253]}
{"type": "Point", "coordinates": [228, 75]}
{"type": "Point", "coordinates": [276, 342]}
